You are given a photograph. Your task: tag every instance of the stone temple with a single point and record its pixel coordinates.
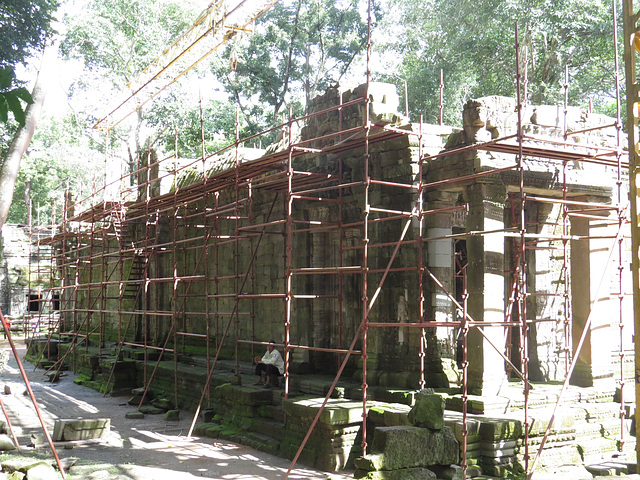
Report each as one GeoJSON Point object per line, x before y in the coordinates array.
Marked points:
{"type": "Point", "coordinates": [425, 284]}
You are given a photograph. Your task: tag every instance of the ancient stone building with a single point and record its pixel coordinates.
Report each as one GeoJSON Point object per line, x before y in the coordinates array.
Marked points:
{"type": "Point", "coordinates": [395, 255]}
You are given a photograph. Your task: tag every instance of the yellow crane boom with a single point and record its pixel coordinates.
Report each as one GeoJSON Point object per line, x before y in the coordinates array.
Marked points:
{"type": "Point", "coordinates": [216, 25]}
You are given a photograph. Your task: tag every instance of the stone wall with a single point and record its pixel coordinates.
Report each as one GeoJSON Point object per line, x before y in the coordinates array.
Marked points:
{"type": "Point", "coordinates": [195, 268]}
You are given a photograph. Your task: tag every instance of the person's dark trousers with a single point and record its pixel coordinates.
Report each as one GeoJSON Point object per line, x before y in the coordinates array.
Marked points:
{"type": "Point", "coordinates": [268, 369]}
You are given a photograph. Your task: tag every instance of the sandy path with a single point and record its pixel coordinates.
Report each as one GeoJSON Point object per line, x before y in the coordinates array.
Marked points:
{"type": "Point", "coordinates": [135, 449]}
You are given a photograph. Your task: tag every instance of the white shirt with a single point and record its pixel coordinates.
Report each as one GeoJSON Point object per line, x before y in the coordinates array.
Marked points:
{"type": "Point", "coordinates": [274, 358]}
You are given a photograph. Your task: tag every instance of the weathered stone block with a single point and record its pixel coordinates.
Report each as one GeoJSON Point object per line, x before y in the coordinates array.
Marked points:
{"type": "Point", "coordinates": [428, 411]}
{"type": "Point", "coordinates": [447, 472]}
{"type": "Point", "coordinates": [149, 410]}
{"type": "Point", "coordinates": [163, 403]}
{"type": "Point", "coordinates": [172, 416]}
{"type": "Point", "coordinates": [403, 474]}
{"type": "Point", "coordinates": [404, 447]}
{"type": "Point", "coordinates": [336, 412]}
{"type": "Point", "coordinates": [6, 443]}
{"type": "Point", "coordinates": [41, 471]}
{"type": "Point", "coordinates": [80, 429]}
{"type": "Point", "coordinates": [496, 429]}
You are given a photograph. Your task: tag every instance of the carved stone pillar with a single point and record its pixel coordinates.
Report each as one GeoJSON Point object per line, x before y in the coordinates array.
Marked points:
{"type": "Point", "coordinates": [485, 285]}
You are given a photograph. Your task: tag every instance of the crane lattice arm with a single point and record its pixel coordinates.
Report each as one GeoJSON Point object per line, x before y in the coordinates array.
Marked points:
{"type": "Point", "coordinates": [216, 25]}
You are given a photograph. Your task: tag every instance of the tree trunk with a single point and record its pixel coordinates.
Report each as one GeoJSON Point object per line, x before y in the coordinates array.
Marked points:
{"type": "Point", "coordinates": [22, 138]}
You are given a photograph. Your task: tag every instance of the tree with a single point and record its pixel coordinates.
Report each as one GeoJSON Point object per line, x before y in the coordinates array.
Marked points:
{"type": "Point", "coordinates": [24, 26]}
{"type": "Point", "coordinates": [22, 138]}
{"type": "Point", "coordinates": [299, 47]}
{"type": "Point", "coordinates": [10, 97]}
{"type": "Point", "coordinates": [180, 114]}
{"type": "Point", "coordinates": [116, 40]}
{"type": "Point", "coordinates": [61, 157]}
{"type": "Point", "coordinates": [477, 55]}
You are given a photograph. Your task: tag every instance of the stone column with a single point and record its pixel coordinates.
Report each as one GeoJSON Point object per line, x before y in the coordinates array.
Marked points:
{"type": "Point", "coordinates": [440, 355]}
{"type": "Point", "coordinates": [485, 285]}
{"type": "Point", "coordinates": [588, 261]}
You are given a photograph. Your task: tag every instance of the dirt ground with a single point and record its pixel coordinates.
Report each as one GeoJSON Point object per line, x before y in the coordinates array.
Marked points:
{"type": "Point", "coordinates": [150, 448]}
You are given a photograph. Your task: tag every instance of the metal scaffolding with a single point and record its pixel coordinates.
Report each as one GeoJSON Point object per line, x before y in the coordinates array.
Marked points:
{"type": "Point", "coordinates": [116, 250]}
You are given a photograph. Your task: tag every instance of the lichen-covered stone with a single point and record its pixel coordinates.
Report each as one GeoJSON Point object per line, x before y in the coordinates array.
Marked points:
{"type": "Point", "coordinates": [149, 410]}
{"type": "Point", "coordinates": [172, 416]}
{"type": "Point", "coordinates": [42, 471]}
{"type": "Point", "coordinates": [496, 429]}
{"type": "Point", "coordinates": [163, 403]}
{"type": "Point", "coordinates": [428, 411]}
{"type": "Point", "coordinates": [405, 447]}
{"type": "Point", "coordinates": [403, 474]}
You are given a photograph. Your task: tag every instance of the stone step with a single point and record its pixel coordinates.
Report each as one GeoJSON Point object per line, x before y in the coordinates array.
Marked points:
{"type": "Point", "coordinates": [264, 443]}
{"type": "Point", "coordinates": [595, 450]}
{"type": "Point", "coordinates": [268, 427]}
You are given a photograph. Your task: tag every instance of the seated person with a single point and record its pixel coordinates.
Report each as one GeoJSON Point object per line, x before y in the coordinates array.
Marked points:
{"type": "Point", "coordinates": [271, 363]}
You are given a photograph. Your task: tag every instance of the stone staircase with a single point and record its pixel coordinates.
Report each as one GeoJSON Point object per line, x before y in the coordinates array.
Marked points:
{"type": "Point", "coordinates": [585, 432]}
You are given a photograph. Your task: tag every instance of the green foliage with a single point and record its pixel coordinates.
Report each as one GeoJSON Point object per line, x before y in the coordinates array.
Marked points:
{"type": "Point", "coordinates": [11, 96]}
{"type": "Point", "coordinates": [120, 38]}
{"type": "Point", "coordinates": [24, 27]}
{"type": "Point", "coordinates": [116, 40]}
{"type": "Point", "coordinates": [173, 117]}
{"type": "Point", "coordinates": [299, 47]}
{"type": "Point", "coordinates": [473, 43]}
{"type": "Point", "coordinates": [59, 157]}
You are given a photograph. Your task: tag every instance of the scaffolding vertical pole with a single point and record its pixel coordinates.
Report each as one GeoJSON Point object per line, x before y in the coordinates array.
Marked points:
{"type": "Point", "coordinates": [565, 271]}
{"type": "Point", "coordinates": [441, 97]}
{"type": "Point", "coordinates": [88, 261]}
{"type": "Point", "coordinates": [236, 231]}
{"type": "Point", "coordinates": [176, 308]}
{"type": "Point", "coordinates": [365, 235]}
{"type": "Point", "coordinates": [464, 327]}
{"type": "Point", "coordinates": [631, 43]}
{"type": "Point", "coordinates": [103, 276]}
{"type": "Point", "coordinates": [522, 294]}
{"type": "Point", "coordinates": [340, 236]}
{"type": "Point", "coordinates": [420, 245]}
{"type": "Point", "coordinates": [565, 230]}
{"type": "Point", "coordinates": [288, 239]}
{"type": "Point", "coordinates": [621, 219]}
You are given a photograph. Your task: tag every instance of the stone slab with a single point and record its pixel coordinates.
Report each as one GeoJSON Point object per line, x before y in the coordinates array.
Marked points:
{"type": "Point", "coordinates": [80, 429]}
{"type": "Point", "coordinates": [403, 447]}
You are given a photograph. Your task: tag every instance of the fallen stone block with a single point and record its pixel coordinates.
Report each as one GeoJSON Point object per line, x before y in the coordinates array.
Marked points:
{"type": "Point", "coordinates": [369, 463]}
{"type": "Point", "coordinates": [404, 447]}
{"type": "Point", "coordinates": [41, 471]}
{"type": "Point", "coordinates": [140, 391]}
{"type": "Point", "coordinates": [134, 415]}
{"type": "Point", "coordinates": [172, 416]}
{"type": "Point", "coordinates": [6, 443]}
{"type": "Point", "coordinates": [80, 429]}
{"type": "Point", "coordinates": [447, 472]}
{"type": "Point", "coordinates": [163, 403]}
{"type": "Point", "coordinates": [603, 470]}
{"type": "Point", "coordinates": [497, 429]}
{"type": "Point", "coordinates": [428, 411]}
{"type": "Point", "coordinates": [402, 474]}
{"type": "Point", "coordinates": [149, 410]}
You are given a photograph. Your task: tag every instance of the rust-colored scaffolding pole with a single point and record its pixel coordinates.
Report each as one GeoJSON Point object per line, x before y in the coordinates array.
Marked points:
{"type": "Point", "coordinates": [631, 51]}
